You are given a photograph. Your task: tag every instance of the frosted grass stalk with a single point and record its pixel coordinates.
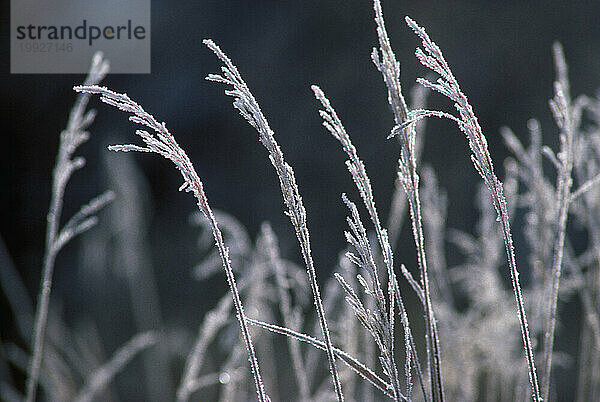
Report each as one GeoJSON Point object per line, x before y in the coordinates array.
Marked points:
{"type": "Point", "coordinates": [386, 63]}
{"type": "Point", "coordinates": [432, 58]}
{"type": "Point", "coordinates": [162, 142]}
{"type": "Point", "coordinates": [248, 107]}
{"type": "Point", "coordinates": [359, 240]}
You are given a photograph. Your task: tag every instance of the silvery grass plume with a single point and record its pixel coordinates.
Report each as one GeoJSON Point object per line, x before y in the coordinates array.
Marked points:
{"type": "Point", "coordinates": [539, 199]}
{"type": "Point", "coordinates": [349, 330]}
{"type": "Point", "coordinates": [261, 295]}
{"type": "Point", "coordinates": [379, 323]}
{"type": "Point", "coordinates": [56, 238]}
{"type": "Point", "coordinates": [386, 63]}
{"type": "Point", "coordinates": [163, 143]}
{"type": "Point", "coordinates": [432, 58]}
{"type": "Point", "coordinates": [258, 296]}
{"type": "Point", "coordinates": [335, 306]}
{"type": "Point", "coordinates": [248, 107]}
{"type": "Point", "coordinates": [358, 367]}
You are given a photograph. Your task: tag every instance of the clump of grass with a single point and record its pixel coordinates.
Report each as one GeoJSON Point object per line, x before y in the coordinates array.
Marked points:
{"type": "Point", "coordinates": [470, 353]}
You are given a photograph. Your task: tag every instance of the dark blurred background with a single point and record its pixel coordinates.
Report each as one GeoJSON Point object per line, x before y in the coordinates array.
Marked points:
{"type": "Point", "coordinates": [499, 51]}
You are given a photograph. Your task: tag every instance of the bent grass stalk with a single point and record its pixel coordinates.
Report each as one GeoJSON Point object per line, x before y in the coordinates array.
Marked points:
{"type": "Point", "coordinates": [248, 107]}
{"type": "Point", "coordinates": [163, 143]}
{"type": "Point", "coordinates": [432, 58]}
